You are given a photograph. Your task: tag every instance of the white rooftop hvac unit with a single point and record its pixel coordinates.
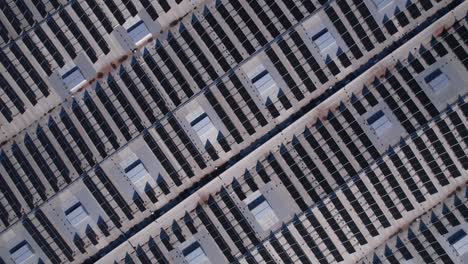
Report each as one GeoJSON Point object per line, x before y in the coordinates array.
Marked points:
{"type": "Point", "coordinates": [138, 31]}
{"type": "Point", "coordinates": [437, 80]}
{"type": "Point", "coordinates": [381, 4]}
{"type": "Point", "coordinates": [379, 123]}
{"type": "Point", "coordinates": [326, 43]}
{"type": "Point", "coordinates": [21, 253]}
{"type": "Point", "coordinates": [261, 210]}
{"type": "Point", "coordinates": [136, 171]}
{"type": "Point", "coordinates": [76, 214]}
{"type": "Point", "coordinates": [73, 78]}
{"type": "Point", "coordinates": [194, 254]}
{"type": "Point", "coordinates": [459, 241]}
{"type": "Point", "coordinates": [264, 83]}
{"type": "Point", "coordinates": [202, 125]}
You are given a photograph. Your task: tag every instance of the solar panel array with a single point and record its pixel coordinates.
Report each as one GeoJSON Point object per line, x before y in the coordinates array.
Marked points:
{"type": "Point", "coordinates": [344, 187]}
